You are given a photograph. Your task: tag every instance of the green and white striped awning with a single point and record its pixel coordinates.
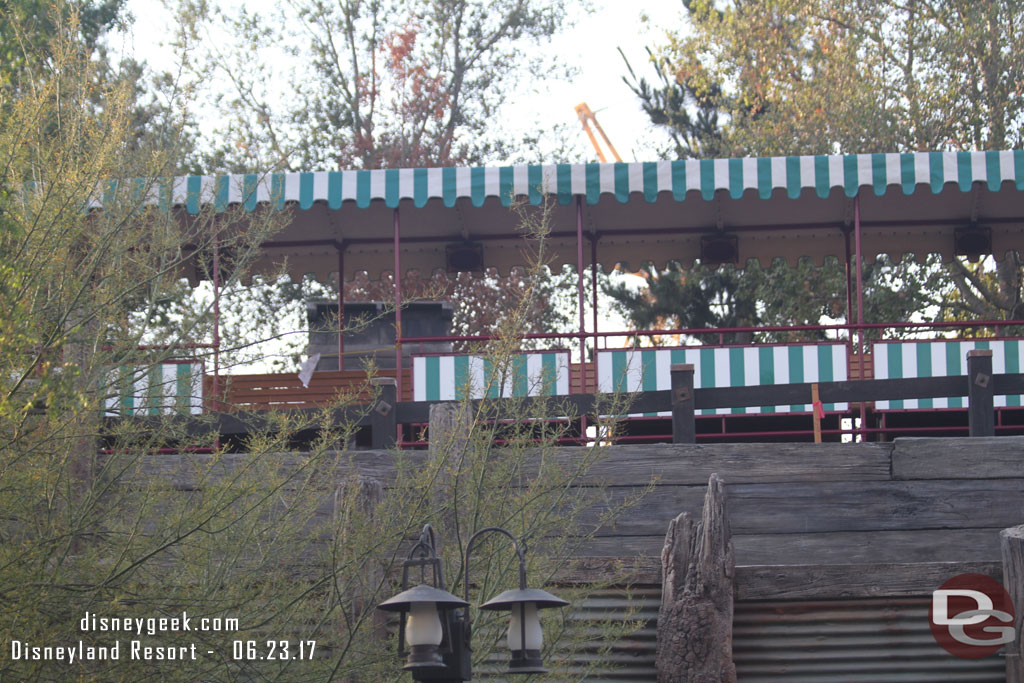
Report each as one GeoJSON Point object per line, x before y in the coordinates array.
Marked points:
{"type": "Point", "coordinates": [778, 207]}
{"type": "Point", "coordinates": [564, 182]}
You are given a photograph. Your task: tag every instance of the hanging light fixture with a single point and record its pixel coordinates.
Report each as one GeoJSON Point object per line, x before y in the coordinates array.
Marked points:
{"type": "Point", "coordinates": [525, 637]}
{"type": "Point", "coordinates": [439, 642]}
{"type": "Point", "coordinates": [425, 610]}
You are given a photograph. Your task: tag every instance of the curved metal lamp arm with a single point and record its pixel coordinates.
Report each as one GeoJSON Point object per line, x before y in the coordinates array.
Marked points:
{"type": "Point", "coordinates": [519, 546]}
{"type": "Point", "coordinates": [426, 546]}
{"type": "Point", "coordinates": [424, 552]}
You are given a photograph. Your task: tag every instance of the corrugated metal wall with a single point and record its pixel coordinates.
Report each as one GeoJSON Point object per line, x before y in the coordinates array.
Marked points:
{"type": "Point", "coordinates": [847, 640]}
{"type": "Point", "coordinates": [841, 640]}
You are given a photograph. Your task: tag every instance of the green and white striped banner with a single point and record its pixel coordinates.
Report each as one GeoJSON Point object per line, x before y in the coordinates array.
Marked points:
{"type": "Point", "coordinates": [796, 174]}
{"type": "Point", "coordinates": [158, 389]}
{"type": "Point", "coordinates": [634, 370]}
{"type": "Point", "coordinates": [896, 360]}
{"type": "Point", "coordinates": [448, 378]}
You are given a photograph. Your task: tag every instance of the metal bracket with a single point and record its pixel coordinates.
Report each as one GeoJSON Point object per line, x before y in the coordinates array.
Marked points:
{"type": "Point", "coordinates": [683, 395]}
{"type": "Point", "coordinates": [383, 408]}
{"type": "Point", "coordinates": [982, 380]}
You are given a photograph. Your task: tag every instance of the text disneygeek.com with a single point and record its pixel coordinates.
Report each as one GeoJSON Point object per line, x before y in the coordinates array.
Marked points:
{"type": "Point", "coordinates": [137, 644]}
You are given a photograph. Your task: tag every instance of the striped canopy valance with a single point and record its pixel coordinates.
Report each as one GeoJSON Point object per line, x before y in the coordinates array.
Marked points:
{"type": "Point", "coordinates": [877, 173]}
{"type": "Point", "coordinates": [625, 213]}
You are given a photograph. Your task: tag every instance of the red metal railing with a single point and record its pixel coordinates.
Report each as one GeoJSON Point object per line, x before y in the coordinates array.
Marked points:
{"type": "Point", "coordinates": [281, 391]}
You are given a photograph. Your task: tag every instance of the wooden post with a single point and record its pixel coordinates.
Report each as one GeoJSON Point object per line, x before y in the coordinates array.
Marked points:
{"type": "Point", "coordinates": [695, 619]}
{"type": "Point", "coordinates": [1012, 542]}
{"type": "Point", "coordinates": [448, 435]}
{"type": "Point", "coordinates": [684, 427]}
{"type": "Point", "coordinates": [448, 431]}
{"type": "Point", "coordinates": [384, 417]}
{"type": "Point", "coordinates": [816, 411]}
{"type": "Point", "coordinates": [981, 411]}
{"type": "Point", "coordinates": [355, 504]}
{"type": "Point", "coordinates": [355, 507]}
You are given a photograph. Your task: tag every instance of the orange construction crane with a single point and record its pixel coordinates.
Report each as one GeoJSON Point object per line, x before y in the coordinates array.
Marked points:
{"type": "Point", "coordinates": [586, 118]}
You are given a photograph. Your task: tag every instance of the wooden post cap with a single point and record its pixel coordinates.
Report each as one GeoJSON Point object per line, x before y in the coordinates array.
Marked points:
{"type": "Point", "coordinates": [384, 382]}
{"type": "Point", "coordinates": [681, 367]}
{"type": "Point", "coordinates": [979, 353]}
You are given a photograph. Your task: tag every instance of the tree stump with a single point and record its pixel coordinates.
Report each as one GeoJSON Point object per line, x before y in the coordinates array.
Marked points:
{"type": "Point", "coordinates": [695, 619]}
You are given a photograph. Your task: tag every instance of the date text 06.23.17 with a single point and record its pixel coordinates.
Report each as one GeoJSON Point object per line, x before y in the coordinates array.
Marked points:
{"type": "Point", "coordinates": [255, 650]}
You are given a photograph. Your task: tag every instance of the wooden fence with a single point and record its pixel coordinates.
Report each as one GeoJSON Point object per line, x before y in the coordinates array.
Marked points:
{"type": "Point", "coordinates": [980, 385]}
{"type": "Point", "coordinates": [846, 539]}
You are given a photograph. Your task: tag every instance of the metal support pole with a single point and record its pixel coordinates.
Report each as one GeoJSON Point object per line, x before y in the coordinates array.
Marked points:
{"type": "Point", "coordinates": [341, 307]}
{"type": "Point", "coordinates": [216, 323]}
{"type": "Point", "coordinates": [860, 282]}
{"type": "Point", "coordinates": [398, 308]}
{"type": "Point", "coordinates": [859, 265]}
{"type": "Point", "coordinates": [593, 286]}
{"type": "Point", "coordinates": [849, 282]}
{"type": "Point", "coordinates": [981, 409]}
{"type": "Point", "coordinates": [579, 292]}
{"type": "Point", "coordinates": [582, 306]}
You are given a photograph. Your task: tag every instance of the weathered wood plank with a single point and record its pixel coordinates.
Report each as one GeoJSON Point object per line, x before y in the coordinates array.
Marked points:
{"type": "Point", "coordinates": [692, 464]}
{"type": "Point", "coordinates": [867, 506]}
{"type": "Point", "coordinates": [1000, 457]}
{"type": "Point", "coordinates": [829, 506]}
{"type": "Point", "coordinates": [863, 547]}
{"type": "Point", "coordinates": [191, 471]}
{"type": "Point", "coordinates": [617, 570]}
{"type": "Point", "coordinates": [878, 547]}
{"type": "Point", "coordinates": [834, 582]}
{"type": "Point", "coordinates": [669, 464]}
{"type": "Point", "coordinates": [794, 582]}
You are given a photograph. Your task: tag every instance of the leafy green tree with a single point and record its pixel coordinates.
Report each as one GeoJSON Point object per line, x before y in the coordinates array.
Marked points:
{"type": "Point", "coordinates": [841, 76]}
{"type": "Point", "coordinates": [780, 295]}
{"type": "Point", "coordinates": [373, 84]}
{"type": "Point", "coordinates": [95, 519]}
{"type": "Point", "coordinates": [369, 84]}
{"type": "Point", "coordinates": [28, 26]}
{"type": "Point", "coordinates": [785, 77]}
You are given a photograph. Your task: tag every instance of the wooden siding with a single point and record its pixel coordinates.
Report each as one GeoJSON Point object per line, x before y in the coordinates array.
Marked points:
{"type": "Point", "coordinates": [576, 375]}
{"type": "Point", "coordinates": [280, 391]}
{"type": "Point", "coordinates": [838, 546]}
{"type": "Point", "coordinates": [810, 511]}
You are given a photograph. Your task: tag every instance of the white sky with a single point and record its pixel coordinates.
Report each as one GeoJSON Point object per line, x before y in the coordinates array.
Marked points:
{"type": "Point", "coordinates": [590, 46]}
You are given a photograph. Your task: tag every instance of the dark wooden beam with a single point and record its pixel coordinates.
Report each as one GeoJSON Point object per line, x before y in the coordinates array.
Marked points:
{"type": "Point", "coordinates": [1012, 542]}
{"type": "Point", "coordinates": [684, 429]}
{"type": "Point", "coordinates": [980, 412]}
{"type": "Point", "coordinates": [384, 416]}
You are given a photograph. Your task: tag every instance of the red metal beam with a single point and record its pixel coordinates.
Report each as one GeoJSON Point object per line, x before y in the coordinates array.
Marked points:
{"type": "Point", "coordinates": [398, 306]}
{"type": "Point", "coordinates": [341, 307]}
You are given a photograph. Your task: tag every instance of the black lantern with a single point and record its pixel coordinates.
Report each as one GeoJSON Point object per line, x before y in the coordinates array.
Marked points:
{"type": "Point", "coordinates": [425, 609]}
{"type": "Point", "coordinates": [439, 643]}
{"type": "Point", "coordinates": [525, 638]}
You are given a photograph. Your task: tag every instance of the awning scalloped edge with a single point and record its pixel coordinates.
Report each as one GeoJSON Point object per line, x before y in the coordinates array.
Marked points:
{"type": "Point", "coordinates": [880, 173]}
